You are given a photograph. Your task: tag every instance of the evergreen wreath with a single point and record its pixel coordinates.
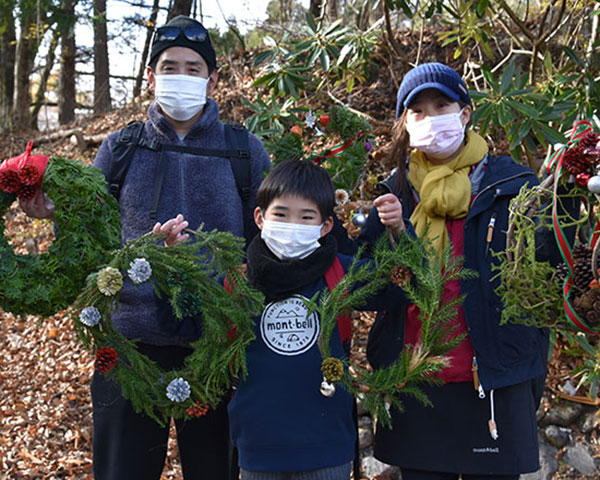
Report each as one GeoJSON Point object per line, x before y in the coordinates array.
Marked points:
{"type": "Point", "coordinates": [412, 265]}
{"type": "Point", "coordinates": [536, 293]}
{"type": "Point", "coordinates": [87, 226]}
{"type": "Point", "coordinates": [187, 274]}
{"type": "Point", "coordinates": [345, 162]}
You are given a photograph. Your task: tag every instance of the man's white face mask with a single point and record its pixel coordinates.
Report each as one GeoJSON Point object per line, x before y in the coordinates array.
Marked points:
{"type": "Point", "coordinates": [180, 96]}
{"type": "Point", "coordinates": [291, 240]}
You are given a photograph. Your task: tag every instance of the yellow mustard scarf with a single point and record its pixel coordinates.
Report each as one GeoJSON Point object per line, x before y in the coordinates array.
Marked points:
{"type": "Point", "coordinates": [444, 190]}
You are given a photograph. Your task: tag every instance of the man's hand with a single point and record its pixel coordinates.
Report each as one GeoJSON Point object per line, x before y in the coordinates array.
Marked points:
{"type": "Point", "coordinates": [172, 228]}
{"type": "Point", "coordinates": [389, 210]}
{"type": "Point", "coordinates": [40, 206]}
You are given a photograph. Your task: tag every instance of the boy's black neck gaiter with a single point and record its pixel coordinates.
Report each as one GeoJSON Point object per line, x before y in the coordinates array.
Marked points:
{"type": "Point", "coordinates": [278, 279]}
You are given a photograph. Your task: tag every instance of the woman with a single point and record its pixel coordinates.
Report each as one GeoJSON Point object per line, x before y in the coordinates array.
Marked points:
{"type": "Point", "coordinates": [483, 423]}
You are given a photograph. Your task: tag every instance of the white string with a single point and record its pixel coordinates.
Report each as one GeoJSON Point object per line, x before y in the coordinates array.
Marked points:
{"type": "Point", "coordinates": [492, 422]}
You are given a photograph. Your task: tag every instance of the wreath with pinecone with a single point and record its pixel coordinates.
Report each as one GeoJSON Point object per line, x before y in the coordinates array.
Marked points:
{"type": "Point", "coordinates": [423, 282]}
{"type": "Point", "coordinates": [187, 274]}
{"type": "Point", "coordinates": [568, 295]}
{"type": "Point", "coordinates": [88, 235]}
{"type": "Point", "coordinates": [87, 227]}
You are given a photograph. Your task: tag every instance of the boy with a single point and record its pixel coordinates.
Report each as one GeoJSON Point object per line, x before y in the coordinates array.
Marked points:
{"type": "Point", "coordinates": [281, 424]}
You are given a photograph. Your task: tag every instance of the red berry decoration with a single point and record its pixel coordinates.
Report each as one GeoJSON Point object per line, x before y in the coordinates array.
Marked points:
{"type": "Point", "coordinates": [106, 359]}
{"type": "Point", "coordinates": [324, 120]}
{"type": "Point", "coordinates": [197, 410]}
{"type": "Point", "coordinates": [582, 179]}
{"type": "Point", "coordinates": [296, 130]}
{"type": "Point", "coordinates": [9, 181]}
{"type": "Point", "coordinates": [29, 174]}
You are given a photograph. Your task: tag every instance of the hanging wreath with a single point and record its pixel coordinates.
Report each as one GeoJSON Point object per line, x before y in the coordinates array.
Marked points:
{"type": "Point", "coordinates": [345, 162]}
{"type": "Point", "coordinates": [423, 283]}
{"type": "Point", "coordinates": [536, 293]}
{"type": "Point", "coordinates": [187, 274]}
{"type": "Point", "coordinates": [87, 226]}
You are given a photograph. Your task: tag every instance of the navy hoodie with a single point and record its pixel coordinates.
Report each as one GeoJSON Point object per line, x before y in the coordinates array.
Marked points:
{"type": "Point", "coordinates": [279, 420]}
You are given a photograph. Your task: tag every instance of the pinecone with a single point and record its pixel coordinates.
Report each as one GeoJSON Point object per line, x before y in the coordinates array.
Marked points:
{"type": "Point", "coordinates": [9, 181]}
{"type": "Point", "coordinates": [400, 276]}
{"type": "Point", "coordinates": [589, 140]}
{"type": "Point", "coordinates": [592, 318]}
{"type": "Point", "coordinates": [575, 160]}
{"type": "Point", "coordinates": [29, 174]}
{"type": "Point", "coordinates": [197, 409]}
{"type": "Point", "coordinates": [106, 359]}
{"type": "Point", "coordinates": [26, 192]}
{"type": "Point", "coordinates": [333, 369]}
{"type": "Point", "coordinates": [586, 302]}
{"type": "Point", "coordinates": [582, 267]}
{"type": "Point", "coordinates": [561, 273]}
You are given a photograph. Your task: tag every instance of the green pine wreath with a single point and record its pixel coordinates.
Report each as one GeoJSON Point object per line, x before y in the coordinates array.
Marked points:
{"type": "Point", "coordinates": [87, 227]}
{"type": "Point", "coordinates": [190, 275]}
{"type": "Point", "coordinates": [412, 265]}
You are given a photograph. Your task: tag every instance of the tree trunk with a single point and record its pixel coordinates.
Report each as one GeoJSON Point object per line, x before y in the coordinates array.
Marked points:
{"type": "Point", "coordinates": [315, 8]}
{"type": "Point", "coordinates": [102, 75]}
{"type": "Point", "coordinates": [180, 7]}
{"type": "Point", "coordinates": [332, 10]}
{"type": "Point", "coordinates": [150, 30]}
{"type": "Point", "coordinates": [23, 67]}
{"type": "Point", "coordinates": [40, 95]}
{"type": "Point", "coordinates": [7, 70]}
{"type": "Point", "coordinates": [66, 89]}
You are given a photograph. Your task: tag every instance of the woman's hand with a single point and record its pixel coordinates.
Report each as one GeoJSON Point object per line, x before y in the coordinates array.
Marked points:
{"type": "Point", "coordinates": [173, 229]}
{"type": "Point", "coordinates": [389, 210]}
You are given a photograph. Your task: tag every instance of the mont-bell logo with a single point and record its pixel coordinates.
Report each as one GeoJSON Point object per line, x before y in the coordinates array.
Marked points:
{"type": "Point", "coordinates": [287, 328]}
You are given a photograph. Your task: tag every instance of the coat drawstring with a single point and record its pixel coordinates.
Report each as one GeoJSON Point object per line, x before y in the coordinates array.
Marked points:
{"type": "Point", "coordinates": [492, 420]}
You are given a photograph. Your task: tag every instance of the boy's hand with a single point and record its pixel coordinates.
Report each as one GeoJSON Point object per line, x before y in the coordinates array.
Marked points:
{"type": "Point", "coordinates": [40, 206]}
{"type": "Point", "coordinates": [389, 210]}
{"type": "Point", "coordinates": [172, 228]}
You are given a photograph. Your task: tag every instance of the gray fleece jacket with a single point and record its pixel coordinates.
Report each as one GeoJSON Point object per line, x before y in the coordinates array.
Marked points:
{"type": "Point", "coordinates": [201, 188]}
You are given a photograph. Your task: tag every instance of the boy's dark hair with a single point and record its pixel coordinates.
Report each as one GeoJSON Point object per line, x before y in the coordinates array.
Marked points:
{"type": "Point", "coordinates": [300, 178]}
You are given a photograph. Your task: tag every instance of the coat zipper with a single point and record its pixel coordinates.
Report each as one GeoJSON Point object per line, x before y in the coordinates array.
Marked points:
{"type": "Point", "coordinates": [476, 382]}
{"type": "Point", "coordinates": [498, 183]}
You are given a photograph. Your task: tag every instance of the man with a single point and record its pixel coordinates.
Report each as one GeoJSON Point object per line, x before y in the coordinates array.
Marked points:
{"type": "Point", "coordinates": [162, 184]}
{"type": "Point", "coordinates": [182, 73]}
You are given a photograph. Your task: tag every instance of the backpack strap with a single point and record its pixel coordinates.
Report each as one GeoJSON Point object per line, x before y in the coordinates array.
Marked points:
{"type": "Point", "coordinates": [333, 276]}
{"type": "Point", "coordinates": [236, 137]}
{"type": "Point", "coordinates": [122, 154]}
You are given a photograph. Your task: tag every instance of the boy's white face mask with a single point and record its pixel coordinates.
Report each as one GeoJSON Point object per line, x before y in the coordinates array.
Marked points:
{"type": "Point", "coordinates": [290, 240]}
{"type": "Point", "coordinates": [180, 96]}
{"type": "Point", "coordinates": [439, 136]}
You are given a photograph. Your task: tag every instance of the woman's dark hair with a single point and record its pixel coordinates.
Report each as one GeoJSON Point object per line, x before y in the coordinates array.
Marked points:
{"type": "Point", "coordinates": [300, 178]}
{"type": "Point", "coordinates": [399, 153]}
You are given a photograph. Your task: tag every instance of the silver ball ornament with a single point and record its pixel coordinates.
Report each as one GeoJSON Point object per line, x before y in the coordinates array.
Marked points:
{"type": "Point", "coordinates": [327, 389]}
{"type": "Point", "coordinates": [359, 220]}
{"type": "Point", "coordinates": [594, 184]}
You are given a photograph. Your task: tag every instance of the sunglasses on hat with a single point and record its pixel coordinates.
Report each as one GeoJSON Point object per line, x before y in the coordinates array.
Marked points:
{"type": "Point", "coordinates": [193, 33]}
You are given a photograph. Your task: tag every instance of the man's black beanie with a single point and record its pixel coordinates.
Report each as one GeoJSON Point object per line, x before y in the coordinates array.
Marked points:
{"type": "Point", "coordinates": [205, 49]}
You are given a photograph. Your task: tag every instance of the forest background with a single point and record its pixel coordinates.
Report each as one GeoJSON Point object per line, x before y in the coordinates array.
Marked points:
{"type": "Point", "coordinates": [533, 68]}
